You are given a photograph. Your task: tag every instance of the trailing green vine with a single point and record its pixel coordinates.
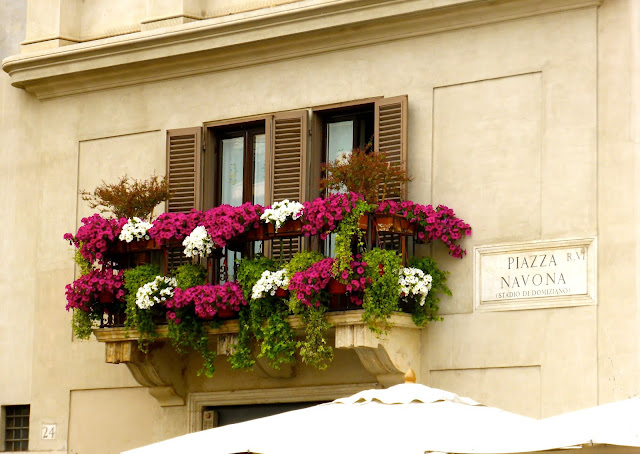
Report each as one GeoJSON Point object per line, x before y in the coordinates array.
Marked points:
{"type": "Point", "coordinates": [314, 349]}
{"type": "Point", "coordinates": [382, 295]}
{"type": "Point", "coordinates": [83, 322]}
{"type": "Point", "coordinates": [300, 262]}
{"type": "Point", "coordinates": [266, 318]}
{"type": "Point", "coordinates": [186, 330]}
{"type": "Point", "coordinates": [138, 319]}
{"type": "Point", "coordinates": [428, 312]}
{"type": "Point", "coordinates": [346, 232]}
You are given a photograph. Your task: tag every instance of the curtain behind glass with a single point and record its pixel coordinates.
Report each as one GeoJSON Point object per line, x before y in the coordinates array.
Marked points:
{"type": "Point", "coordinates": [232, 167]}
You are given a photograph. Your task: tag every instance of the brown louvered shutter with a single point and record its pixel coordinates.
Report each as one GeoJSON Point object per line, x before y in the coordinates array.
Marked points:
{"type": "Point", "coordinates": [288, 168]}
{"type": "Point", "coordinates": [184, 155]}
{"type": "Point", "coordinates": [391, 132]}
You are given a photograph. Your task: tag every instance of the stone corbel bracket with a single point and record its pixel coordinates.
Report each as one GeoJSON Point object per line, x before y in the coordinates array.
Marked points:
{"type": "Point", "coordinates": [143, 371]}
{"type": "Point", "coordinates": [387, 357]}
{"type": "Point", "coordinates": [226, 346]}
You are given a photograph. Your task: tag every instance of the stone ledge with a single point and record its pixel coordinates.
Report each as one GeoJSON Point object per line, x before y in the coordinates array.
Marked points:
{"type": "Point", "coordinates": [387, 357]}
{"type": "Point", "coordinates": [287, 31]}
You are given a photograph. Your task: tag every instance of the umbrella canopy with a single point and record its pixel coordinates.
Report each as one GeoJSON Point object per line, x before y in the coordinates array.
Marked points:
{"type": "Point", "coordinates": [617, 423]}
{"type": "Point", "coordinates": [407, 418]}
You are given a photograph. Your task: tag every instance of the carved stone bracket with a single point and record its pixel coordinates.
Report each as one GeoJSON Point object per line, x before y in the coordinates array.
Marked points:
{"type": "Point", "coordinates": [387, 357]}
{"type": "Point", "coordinates": [226, 345]}
{"type": "Point", "coordinates": [143, 371]}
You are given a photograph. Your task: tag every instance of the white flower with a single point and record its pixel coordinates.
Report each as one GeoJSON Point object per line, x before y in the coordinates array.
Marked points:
{"type": "Point", "coordinates": [135, 229]}
{"type": "Point", "coordinates": [198, 243]}
{"type": "Point", "coordinates": [157, 291]}
{"type": "Point", "coordinates": [281, 212]}
{"type": "Point", "coordinates": [269, 282]}
{"type": "Point", "coordinates": [414, 282]}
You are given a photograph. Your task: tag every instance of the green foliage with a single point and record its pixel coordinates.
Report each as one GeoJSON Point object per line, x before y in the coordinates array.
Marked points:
{"type": "Point", "coordinates": [314, 349]}
{"type": "Point", "coordinates": [241, 357]}
{"type": "Point", "coordinates": [346, 231]}
{"type": "Point", "coordinates": [189, 275]}
{"type": "Point", "coordinates": [300, 262]}
{"type": "Point", "coordinates": [381, 297]}
{"type": "Point", "coordinates": [128, 198]}
{"type": "Point", "coordinates": [84, 265]}
{"type": "Point", "coordinates": [191, 333]}
{"type": "Point", "coordinates": [270, 325]}
{"type": "Point", "coordinates": [265, 318]}
{"type": "Point", "coordinates": [249, 272]}
{"type": "Point", "coordinates": [424, 314]}
{"type": "Point", "coordinates": [140, 319]}
{"type": "Point", "coordinates": [82, 323]}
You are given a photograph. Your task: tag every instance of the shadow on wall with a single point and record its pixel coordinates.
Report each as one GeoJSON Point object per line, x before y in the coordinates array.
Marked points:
{"type": "Point", "coordinates": [13, 19]}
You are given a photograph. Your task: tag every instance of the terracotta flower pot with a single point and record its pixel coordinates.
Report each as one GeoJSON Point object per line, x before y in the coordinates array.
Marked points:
{"type": "Point", "coordinates": [336, 287]}
{"type": "Point", "coordinates": [260, 233]}
{"type": "Point", "coordinates": [143, 246]}
{"type": "Point", "coordinates": [290, 228]}
{"type": "Point", "coordinates": [226, 314]}
{"type": "Point", "coordinates": [105, 297]}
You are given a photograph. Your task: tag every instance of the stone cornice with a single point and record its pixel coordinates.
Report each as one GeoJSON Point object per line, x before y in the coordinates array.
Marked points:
{"type": "Point", "coordinates": [261, 36]}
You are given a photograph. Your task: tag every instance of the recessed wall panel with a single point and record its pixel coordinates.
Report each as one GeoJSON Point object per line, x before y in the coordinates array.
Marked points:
{"type": "Point", "coordinates": [515, 389]}
{"type": "Point", "coordinates": [137, 155]}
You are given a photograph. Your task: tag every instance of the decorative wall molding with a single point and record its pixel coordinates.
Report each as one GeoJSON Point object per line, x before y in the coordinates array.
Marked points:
{"type": "Point", "coordinates": [196, 402]}
{"type": "Point", "coordinates": [256, 37]}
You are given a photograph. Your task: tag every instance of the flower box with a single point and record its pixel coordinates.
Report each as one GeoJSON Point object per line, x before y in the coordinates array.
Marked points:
{"type": "Point", "coordinates": [387, 223]}
{"type": "Point", "coordinates": [289, 229]}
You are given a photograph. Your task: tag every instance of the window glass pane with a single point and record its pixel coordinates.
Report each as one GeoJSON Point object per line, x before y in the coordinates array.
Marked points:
{"type": "Point", "coordinates": [258, 169]}
{"type": "Point", "coordinates": [232, 171]}
{"type": "Point", "coordinates": [339, 143]}
{"type": "Point", "coordinates": [339, 139]}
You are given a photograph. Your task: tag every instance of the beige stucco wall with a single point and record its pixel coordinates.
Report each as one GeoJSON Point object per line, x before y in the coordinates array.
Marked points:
{"type": "Point", "coordinates": [618, 179]}
{"type": "Point", "coordinates": [524, 127]}
{"type": "Point", "coordinates": [19, 156]}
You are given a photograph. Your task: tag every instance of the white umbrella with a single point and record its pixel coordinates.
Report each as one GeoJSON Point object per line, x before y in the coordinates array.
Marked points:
{"type": "Point", "coordinates": [617, 423]}
{"type": "Point", "coordinates": [407, 418]}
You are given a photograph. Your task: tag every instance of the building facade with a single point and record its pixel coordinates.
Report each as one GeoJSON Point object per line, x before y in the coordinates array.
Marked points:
{"type": "Point", "coordinates": [521, 115]}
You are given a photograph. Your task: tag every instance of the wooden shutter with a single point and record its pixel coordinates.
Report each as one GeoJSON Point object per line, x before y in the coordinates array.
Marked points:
{"type": "Point", "coordinates": [184, 156]}
{"type": "Point", "coordinates": [287, 169]}
{"type": "Point", "coordinates": [391, 132]}
{"type": "Point", "coordinates": [288, 156]}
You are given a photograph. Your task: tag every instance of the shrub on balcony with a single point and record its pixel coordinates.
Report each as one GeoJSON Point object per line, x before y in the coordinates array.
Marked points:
{"type": "Point", "coordinates": [365, 172]}
{"type": "Point", "coordinates": [129, 198]}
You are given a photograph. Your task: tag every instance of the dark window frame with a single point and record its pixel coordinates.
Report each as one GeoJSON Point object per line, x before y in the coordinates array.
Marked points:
{"type": "Point", "coordinates": [13, 421]}
{"type": "Point", "coordinates": [248, 131]}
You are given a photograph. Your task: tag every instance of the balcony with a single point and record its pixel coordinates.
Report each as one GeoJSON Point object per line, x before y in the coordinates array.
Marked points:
{"type": "Point", "coordinates": [200, 280]}
{"type": "Point", "coordinates": [387, 357]}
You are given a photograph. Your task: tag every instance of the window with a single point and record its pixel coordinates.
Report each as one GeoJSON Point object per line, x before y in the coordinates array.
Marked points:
{"type": "Point", "coordinates": [343, 129]}
{"type": "Point", "coordinates": [266, 158]}
{"type": "Point", "coordinates": [232, 414]}
{"type": "Point", "coordinates": [240, 175]}
{"type": "Point", "coordinates": [16, 427]}
{"type": "Point", "coordinates": [241, 165]}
